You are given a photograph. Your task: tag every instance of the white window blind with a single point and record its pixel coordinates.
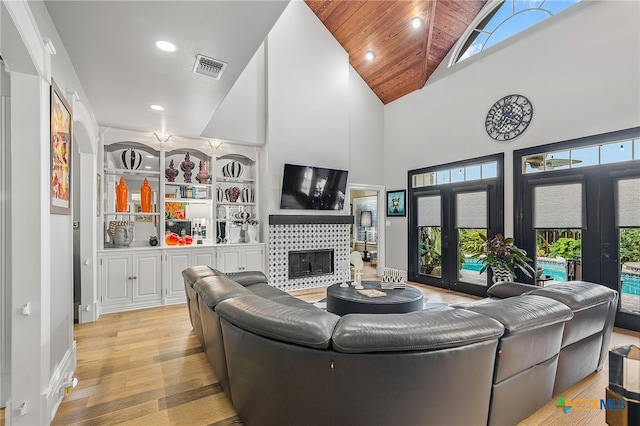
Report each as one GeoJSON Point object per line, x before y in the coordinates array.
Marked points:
{"type": "Point", "coordinates": [627, 195]}
{"type": "Point", "coordinates": [471, 209]}
{"type": "Point", "coordinates": [429, 211]}
{"type": "Point", "coordinates": [558, 206]}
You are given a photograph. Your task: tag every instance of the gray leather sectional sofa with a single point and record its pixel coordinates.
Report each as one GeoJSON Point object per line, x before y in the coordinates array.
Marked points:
{"type": "Point", "coordinates": [282, 361]}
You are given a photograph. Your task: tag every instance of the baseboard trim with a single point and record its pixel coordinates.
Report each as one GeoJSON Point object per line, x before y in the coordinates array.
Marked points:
{"type": "Point", "coordinates": [53, 394]}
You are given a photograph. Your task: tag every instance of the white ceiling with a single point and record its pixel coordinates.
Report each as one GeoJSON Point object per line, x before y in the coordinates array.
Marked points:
{"type": "Point", "coordinates": [111, 46]}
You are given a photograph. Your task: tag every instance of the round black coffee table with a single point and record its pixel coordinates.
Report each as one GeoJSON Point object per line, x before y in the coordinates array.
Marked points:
{"type": "Point", "coordinates": [347, 300]}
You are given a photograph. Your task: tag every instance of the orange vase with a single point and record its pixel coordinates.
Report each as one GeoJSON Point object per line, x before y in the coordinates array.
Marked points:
{"type": "Point", "coordinates": [145, 197]}
{"type": "Point", "coordinates": [122, 195]}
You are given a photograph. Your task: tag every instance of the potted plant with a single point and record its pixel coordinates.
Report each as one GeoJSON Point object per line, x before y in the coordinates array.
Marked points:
{"type": "Point", "coordinates": [430, 249]}
{"type": "Point", "coordinates": [503, 257]}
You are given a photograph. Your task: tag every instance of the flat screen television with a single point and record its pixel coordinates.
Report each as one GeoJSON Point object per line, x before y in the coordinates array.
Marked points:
{"type": "Point", "coordinates": [313, 188]}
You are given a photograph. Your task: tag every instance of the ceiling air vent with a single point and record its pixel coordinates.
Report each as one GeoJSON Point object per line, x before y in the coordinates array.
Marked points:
{"type": "Point", "coordinates": [209, 67]}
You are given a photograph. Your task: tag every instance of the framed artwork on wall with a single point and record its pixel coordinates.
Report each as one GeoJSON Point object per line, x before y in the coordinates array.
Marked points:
{"type": "Point", "coordinates": [396, 203]}
{"type": "Point", "coordinates": [60, 134]}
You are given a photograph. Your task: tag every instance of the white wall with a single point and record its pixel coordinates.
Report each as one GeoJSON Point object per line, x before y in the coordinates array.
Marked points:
{"type": "Point", "coordinates": [308, 97]}
{"type": "Point", "coordinates": [320, 112]}
{"type": "Point", "coordinates": [366, 133]}
{"type": "Point", "coordinates": [580, 70]}
{"type": "Point", "coordinates": [42, 347]}
{"type": "Point", "coordinates": [241, 116]}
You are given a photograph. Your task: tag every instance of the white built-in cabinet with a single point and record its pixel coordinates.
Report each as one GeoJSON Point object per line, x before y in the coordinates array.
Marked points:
{"type": "Point", "coordinates": [141, 275]}
{"type": "Point", "coordinates": [177, 261]}
{"type": "Point", "coordinates": [130, 280]}
{"type": "Point", "coordinates": [236, 258]}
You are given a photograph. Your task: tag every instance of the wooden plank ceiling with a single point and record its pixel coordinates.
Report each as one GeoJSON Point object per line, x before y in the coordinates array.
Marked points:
{"type": "Point", "coordinates": [405, 56]}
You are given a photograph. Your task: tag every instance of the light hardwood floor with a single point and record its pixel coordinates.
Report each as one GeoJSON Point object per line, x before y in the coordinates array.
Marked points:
{"type": "Point", "coordinates": [146, 367]}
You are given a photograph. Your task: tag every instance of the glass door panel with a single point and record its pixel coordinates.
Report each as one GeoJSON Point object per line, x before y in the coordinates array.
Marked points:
{"type": "Point", "coordinates": [469, 246]}
{"type": "Point", "coordinates": [630, 270]}
{"type": "Point", "coordinates": [430, 250]}
{"type": "Point", "coordinates": [558, 255]}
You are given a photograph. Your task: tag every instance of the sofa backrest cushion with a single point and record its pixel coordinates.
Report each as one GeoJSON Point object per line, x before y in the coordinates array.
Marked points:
{"type": "Point", "coordinates": [523, 313]}
{"type": "Point", "coordinates": [267, 318]}
{"type": "Point", "coordinates": [214, 289]}
{"type": "Point", "coordinates": [578, 295]}
{"type": "Point", "coordinates": [431, 329]}
{"type": "Point", "coordinates": [503, 290]}
{"type": "Point", "coordinates": [194, 273]}
{"type": "Point", "coordinates": [247, 278]}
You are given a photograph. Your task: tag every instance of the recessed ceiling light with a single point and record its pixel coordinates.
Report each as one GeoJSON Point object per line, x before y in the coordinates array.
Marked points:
{"type": "Point", "coordinates": [150, 156]}
{"type": "Point", "coordinates": [165, 46]}
{"type": "Point", "coordinates": [416, 22]}
{"type": "Point", "coordinates": [370, 56]}
{"type": "Point", "coordinates": [147, 167]}
{"type": "Point", "coordinates": [157, 107]}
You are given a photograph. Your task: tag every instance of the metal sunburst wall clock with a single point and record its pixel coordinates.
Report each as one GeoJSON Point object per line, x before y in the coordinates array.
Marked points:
{"type": "Point", "coordinates": [509, 117]}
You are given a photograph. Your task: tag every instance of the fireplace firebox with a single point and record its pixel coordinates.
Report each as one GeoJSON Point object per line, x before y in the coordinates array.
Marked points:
{"type": "Point", "coordinates": [309, 263]}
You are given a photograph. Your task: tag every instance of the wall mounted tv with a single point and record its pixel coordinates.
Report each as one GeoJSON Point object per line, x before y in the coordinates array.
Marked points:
{"type": "Point", "coordinates": [313, 188]}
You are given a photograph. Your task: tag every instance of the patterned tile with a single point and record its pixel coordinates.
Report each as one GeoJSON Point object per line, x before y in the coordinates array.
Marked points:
{"type": "Point", "coordinates": [284, 238]}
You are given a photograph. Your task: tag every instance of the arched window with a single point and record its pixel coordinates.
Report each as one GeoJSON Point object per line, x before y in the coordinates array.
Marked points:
{"type": "Point", "coordinates": [507, 19]}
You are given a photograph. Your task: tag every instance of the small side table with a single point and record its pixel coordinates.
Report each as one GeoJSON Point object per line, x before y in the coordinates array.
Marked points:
{"type": "Point", "coordinates": [541, 280]}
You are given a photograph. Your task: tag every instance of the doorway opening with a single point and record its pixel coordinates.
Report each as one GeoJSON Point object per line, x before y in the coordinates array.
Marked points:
{"type": "Point", "coordinates": [366, 204]}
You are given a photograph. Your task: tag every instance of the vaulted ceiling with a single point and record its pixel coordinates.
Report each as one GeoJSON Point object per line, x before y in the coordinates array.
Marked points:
{"type": "Point", "coordinates": [405, 56]}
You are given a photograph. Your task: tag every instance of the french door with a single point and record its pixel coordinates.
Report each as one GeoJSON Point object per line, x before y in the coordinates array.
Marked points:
{"type": "Point", "coordinates": [451, 205]}
{"type": "Point", "coordinates": [582, 222]}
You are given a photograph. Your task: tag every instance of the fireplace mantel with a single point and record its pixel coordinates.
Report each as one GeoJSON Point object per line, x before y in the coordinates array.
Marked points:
{"type": "Point", "coordinates": [281, 219]}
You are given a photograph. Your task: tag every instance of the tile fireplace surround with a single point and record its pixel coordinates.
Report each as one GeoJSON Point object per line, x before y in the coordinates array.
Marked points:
{"type": "Point", "coordinates": [316, 232]}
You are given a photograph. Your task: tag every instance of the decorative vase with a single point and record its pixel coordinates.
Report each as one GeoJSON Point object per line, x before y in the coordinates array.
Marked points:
{"type": "Point", "coordinates": [221, 232]}
{"type": "Point", "coordinates": [153, 240]}
{"type": "Point", "coordinates": [234, 234]}
{"type": "Point", "coordinates": [122, 195]}
{"type": "Point", "coordinates": [232, 194]}
{"type": "Point", "coordinates": [131, 159]}
{"type": "Point", "coordinates": [247, 194]}
{"type": "Point", "coordinates": [170, 172]}
{"type": "Point", "coordinates": [501, 274]}
{"type": "Point", "coordinates": [252, 232]}
{"type": "Point", "coordinates": [232, 169]}
{"type": "Point", "coordinates": [145, 197]}
{"type": "Point", "coordinates": [203, 176]}
{"type": "Point", "coordinates": [187, 165]}
{"type": "Point", "coordinates": [219, 194]}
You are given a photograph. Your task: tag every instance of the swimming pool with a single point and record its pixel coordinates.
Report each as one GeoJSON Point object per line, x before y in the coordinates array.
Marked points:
{"type": "Point", "coordinates": [472, 264]}
{"type": "Point", "coordinates": [557, 270]}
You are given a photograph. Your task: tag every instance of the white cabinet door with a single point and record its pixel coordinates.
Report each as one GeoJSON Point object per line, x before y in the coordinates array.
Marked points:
{"type": "Point", "coordinates": [204, 258]}
{"type": "Point", "coordinates": [176, 263]}
{"type": "Point", "coordinates": [147, 281]}
{"type": "Point", "coordinates": [229, 260]}
{"type": "Point", "coordinates": [116, 280]}
{"type": "Point", "coordinates": [241, 258]}
{"type": "Point", "coordinates": [253, 259]}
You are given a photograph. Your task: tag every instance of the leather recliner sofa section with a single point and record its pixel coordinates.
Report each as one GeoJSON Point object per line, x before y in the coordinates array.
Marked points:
{"type": "Point", "coordinates": [284, 361]}
{"type": "Point", "coordinates": [288, 365]}
{"type": "Point", "coordinates": [585, 341]}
